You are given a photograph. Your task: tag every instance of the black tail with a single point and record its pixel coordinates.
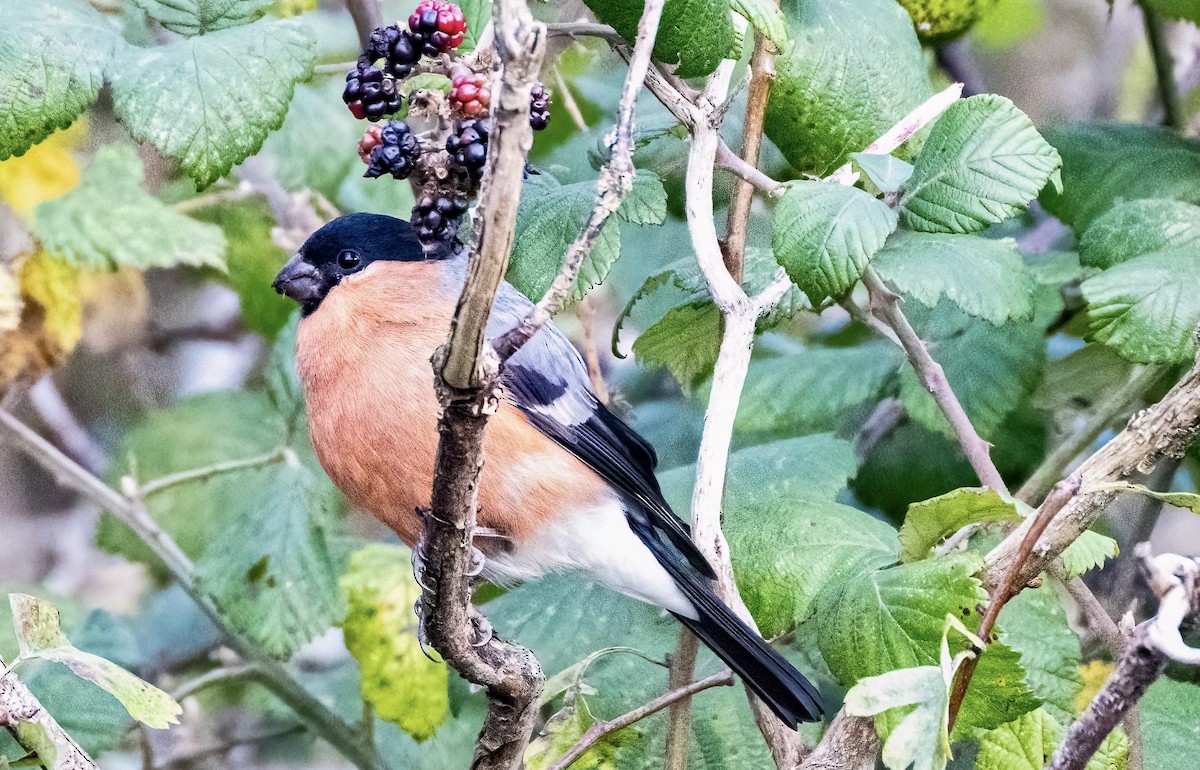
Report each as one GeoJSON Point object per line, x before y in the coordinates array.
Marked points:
{"type": "Point", "coordinates": [784, 689]}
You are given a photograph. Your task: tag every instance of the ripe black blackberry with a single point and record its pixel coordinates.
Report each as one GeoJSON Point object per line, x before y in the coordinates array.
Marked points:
{"type": "Point", "coordinates": [395, 47]}
{"type": "Point", "coordinates": [437, 27]}
{"type": "Point", "coordinates": [539, 107]}
{"type": "Point", "coordinates": [468, 148]}
{"type": "Point", "coordinates": [395, 153]}
{"type": "Point", "coordinates": [370, 93]}
{"type": "Point", "coordinates": [436, 220]}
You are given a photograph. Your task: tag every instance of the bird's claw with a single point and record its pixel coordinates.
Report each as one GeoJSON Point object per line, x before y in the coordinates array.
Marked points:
{"type": "Point", "coordinates": [422, 635]}
{"type": "Point", "coordinates": [475, 562]}
{"type": "Point", "coordinates": [483, 631]}
{"type": "Point", "coordinates": [418, 564]}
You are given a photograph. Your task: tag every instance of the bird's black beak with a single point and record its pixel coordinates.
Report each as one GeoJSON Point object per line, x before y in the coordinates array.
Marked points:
{"type": "Point", "coordinates": [300, 281]}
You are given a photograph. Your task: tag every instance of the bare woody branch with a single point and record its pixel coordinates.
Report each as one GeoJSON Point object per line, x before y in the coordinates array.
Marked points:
{"type": "Point", "coordinates": [128, 507]}
{"type": "Point", "coordinates": [23, 716]}
{"type": "Point", "coordinates": [1176, 581]}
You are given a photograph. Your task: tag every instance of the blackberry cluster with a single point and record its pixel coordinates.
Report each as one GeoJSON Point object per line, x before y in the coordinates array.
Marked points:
{"type": "Point", "coordinates": [437, 27]}
{"type": "Point", "coordinates": [370, 93]}
{"type": "Point", "coordinates": [436, 219]}
{"type": "Point", "coordinates": [470, 96]}
{"type": "Point", "coordinates": [539, 107]}
{"type": "Point", "coordinates": [395, 46]}
{"type": "Point", "coordinates": [393, 150]}
{"type": "Point", "coordinates": [468, 148]}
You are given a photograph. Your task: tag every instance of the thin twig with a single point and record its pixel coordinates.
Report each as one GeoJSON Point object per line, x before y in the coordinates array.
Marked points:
{"type": "Point", "coordinates": [274, 676]}
{"type": "Point", "coordinates": [1164, 67]}
{"type": "Point", "coordinates": [584, 29]}
{"type": "Point", "coordinates": [214, 677]}
{"type": "Point", "coordinates": [586, 311]}
{"type": "Point", "coordinates": [157, 485]}
{"type": "Point", "coordinates": [568, 101]}
{"type": "Point", "coordinates": [1063, 492]}
{"type": "Point", "coordinates": [887, 304]}
{"type": "Point", "coordinates": [601, 728]}
{"type": "Point", "coordinates": [58, 417]}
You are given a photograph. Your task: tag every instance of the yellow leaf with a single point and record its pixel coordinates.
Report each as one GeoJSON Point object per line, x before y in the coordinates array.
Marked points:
{"type": "Point", "coordinates": [1093, 673]}
{"type": "Point", "coordinates": [406, 688]}
{"type": "Point", "coordinates": [51, 319]}
{"type": "Point", "coordinates": [45, 172]}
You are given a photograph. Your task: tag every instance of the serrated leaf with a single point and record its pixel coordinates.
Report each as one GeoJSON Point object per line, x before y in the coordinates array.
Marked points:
{"type": "Point", "coordinates": [1170, 712]}
{"type": "Point", "coordinates": [893, 618]}
{"type": "Point", "coordinates": [197, 17]}
{"type": "Point", "coordinates": [852, 69]}
{"type": "Point", "coordinates": [887, 172]}
{"type": "Point", "coordinates": [1034, 624]}
{"type": "Point", "coordinates": [931, 521]}
{"type": "Point", "coordinates": [110, 220]}
{"type": "Point", "coordinates": [1090, 550]}
{"type": "Point", "coordinates": [983, 162]}
{"type": "Point", "coordinates": [810, 390]}
{"type": "Point", "coordinates": [1144, 309]}
{"type": "Point", "coordinates": [550, 218]}
{"type": "Point", "coordinates": [766, 17]}
{"type": "Point", "coordinates": [693, 34]}
{"type": "Point", "coordinates": [1107, 163]}
{"type": "Point", "coordinates": [825, 234]}
{"type": "Point", "coordinates": [477, 13]}
{"type": "Point", "coordinates": [47, 170]}
{"type": "Point", "coordinates": [1137, 227]}
{"type": "Point", "coordinates": [52, 61]}
{"type": "Point", "coordinates": [405, 687]}
{"type": "Point", "coordinates": [263, 533]}
{"type": "Point", "coordinates": [564, 729]}
{"type": "Point", "coordinates": [786, 549]}
{"type": "Point", "coordinates": [1026, 743]}
{"type": "Point", "coordinates": [990, 368]}
{"type": "Point", "coordinates": [38, 632]}
{"type": "Point", "coordinates": [999, 692]}
{"type": "Point", "coordinates": [685, 342]}
{"type": "Point", "coordinates": [1186, 500]}
{"type": "Point", "coordinates": [985, 277]}
{"type": "Point", "coordinates": [210, 101]}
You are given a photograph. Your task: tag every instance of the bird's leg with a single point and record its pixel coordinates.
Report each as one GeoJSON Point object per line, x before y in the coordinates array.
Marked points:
{"type": "Point", "coordinates": [476, 560]}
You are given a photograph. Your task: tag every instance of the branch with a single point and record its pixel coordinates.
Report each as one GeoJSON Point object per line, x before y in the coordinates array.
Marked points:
{"type": "Point", "coordinates": [614, 184]}
{"type": "Point", "coordinates": [601, 728]}
{"type": "Point", "coordinates": [1176, 581]}
{"type": "Point", "coordinates": [466, 382]}
{"type": "Point", "coordinates": [886, 303]}
{"type": "Point", "coordinates": [130, 510]}
{"type": "Point", "coordinates": [21, 714]}
{"type": "Point", "coordinates": [366, 18]}
{"type": "Point", "coordinates": [1164, 68]}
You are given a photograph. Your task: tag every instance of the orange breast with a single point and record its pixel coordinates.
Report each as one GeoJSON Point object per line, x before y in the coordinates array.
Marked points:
{"type": "Point", "coordinates": [363, 357]}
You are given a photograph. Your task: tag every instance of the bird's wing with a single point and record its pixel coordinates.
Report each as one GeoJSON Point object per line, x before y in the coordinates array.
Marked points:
{"type": "Point", "coordinates": [547, 380]}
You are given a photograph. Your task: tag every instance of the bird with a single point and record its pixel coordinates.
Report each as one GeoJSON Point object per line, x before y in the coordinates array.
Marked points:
{"type": "Point", "coordinates": [567, 486]}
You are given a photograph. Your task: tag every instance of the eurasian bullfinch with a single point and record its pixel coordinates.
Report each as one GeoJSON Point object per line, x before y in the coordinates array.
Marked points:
{"type": "Point", "coordinates": [566, 486]}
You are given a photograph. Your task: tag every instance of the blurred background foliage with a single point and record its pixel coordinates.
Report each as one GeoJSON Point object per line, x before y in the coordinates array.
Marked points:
{"type": "Point", "coordinates": [140, 236]}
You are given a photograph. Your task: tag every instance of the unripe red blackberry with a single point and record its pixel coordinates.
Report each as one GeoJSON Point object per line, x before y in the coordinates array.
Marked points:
{"type": "Point", "coordinates": [539, 107]}
{"type": "Point", "coordinates": [470, 96]}
{"type": "Point", "coordinates": [468, 148]}
{"type": "Point", "coordinates": [395, 153]}
{"type": "Point", "coordinates": [371, 139]}
{"type": "Point", "coordinates": [437, 27]}
{"type": "Point", "coordinates": [436, 220]}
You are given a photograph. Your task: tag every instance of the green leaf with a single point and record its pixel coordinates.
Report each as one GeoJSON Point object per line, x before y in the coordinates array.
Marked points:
{"type": "Point", "coordinates": [931, 521]}
{"type": "Point", "coordinates": [210, 101]}
{"type": "Point", "coordinates": [1187, 500]}
{"type": "Point", "coordinates": [564, 729]}
{"type": "Point", "coordinates": [196, 17]}
{"type": "Point", "coordinates": [1170, 712]}
{"type": "Point", "coordinates": [998, 693]}
{"type": "Point", "coordinates": [989, 368]}
{"type": "Point", "coordinates": [38, 632]}
{"type": "Point", "coordinates": [893, 619]}
{"type": "Point", "coordinates": [786, 550]}
{"type": "Point", "coordinates": [52, 60]}
{"type": "Point", "coordinates": [983, 162]}
{"type": "Point", "coordinates": [766, 17]}
{"type": "Point", "coordinates": [405, 687]}
{"type": "Point", "coordinates": [1090, 550]}
{"type": "Point", "coordinates": [35, 737]}
{"type": "Point", "coordinates": [810, 390]}
{"type": "Point", "coordinates": [1113, 753]}
{"type": "Point", "coordinates": [550, 218]}
{"type": "Point", "coordinates": [253, 259]}
{"type": "Point", "coordinates": [262, 532]}
{"type": "Point", "coordinates": [1177, 9]}
{"type": "Point", "coordinates": [852, 70]}
{"type": "Point", "coordinates": [110, 220]}
{"type": "Point", "coordinates": [825, 234]}
{"type": "Point", "coordinates": [1137, 227]}
{"type": "Point", "coordinates": [1026, 743]}
{"type": "Point", "coordinates": [693, 34]}
{"type": "Point", "coordinates": [1108, 163]}
{"type": "Point", "coordinates": [1034, 624]}
{"type": "Point", "coordinates": [1144, 309]}
{"type": "Point", "coordinates": [983, 276]}
{"type": "Point", "coordinates": [477, 13]}
{"type": "Point", "coordinates": [887, 172]}
{"type": "Point", "coordinates": [685, 342]}
{"type": "Point", "coordinates": [1081, 379]}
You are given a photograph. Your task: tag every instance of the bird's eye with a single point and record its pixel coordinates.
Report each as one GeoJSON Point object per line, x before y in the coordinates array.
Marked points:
{"type": "Point", "coordinates": [348, 260]}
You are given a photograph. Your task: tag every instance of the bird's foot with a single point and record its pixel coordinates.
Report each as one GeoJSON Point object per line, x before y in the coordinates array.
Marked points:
{"type": "Point", "coordinates": [484, 632]}
{"type": "Point", "coordinates": [418, 563]}
{"type": "Point", "coordinates": [422, 634]}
